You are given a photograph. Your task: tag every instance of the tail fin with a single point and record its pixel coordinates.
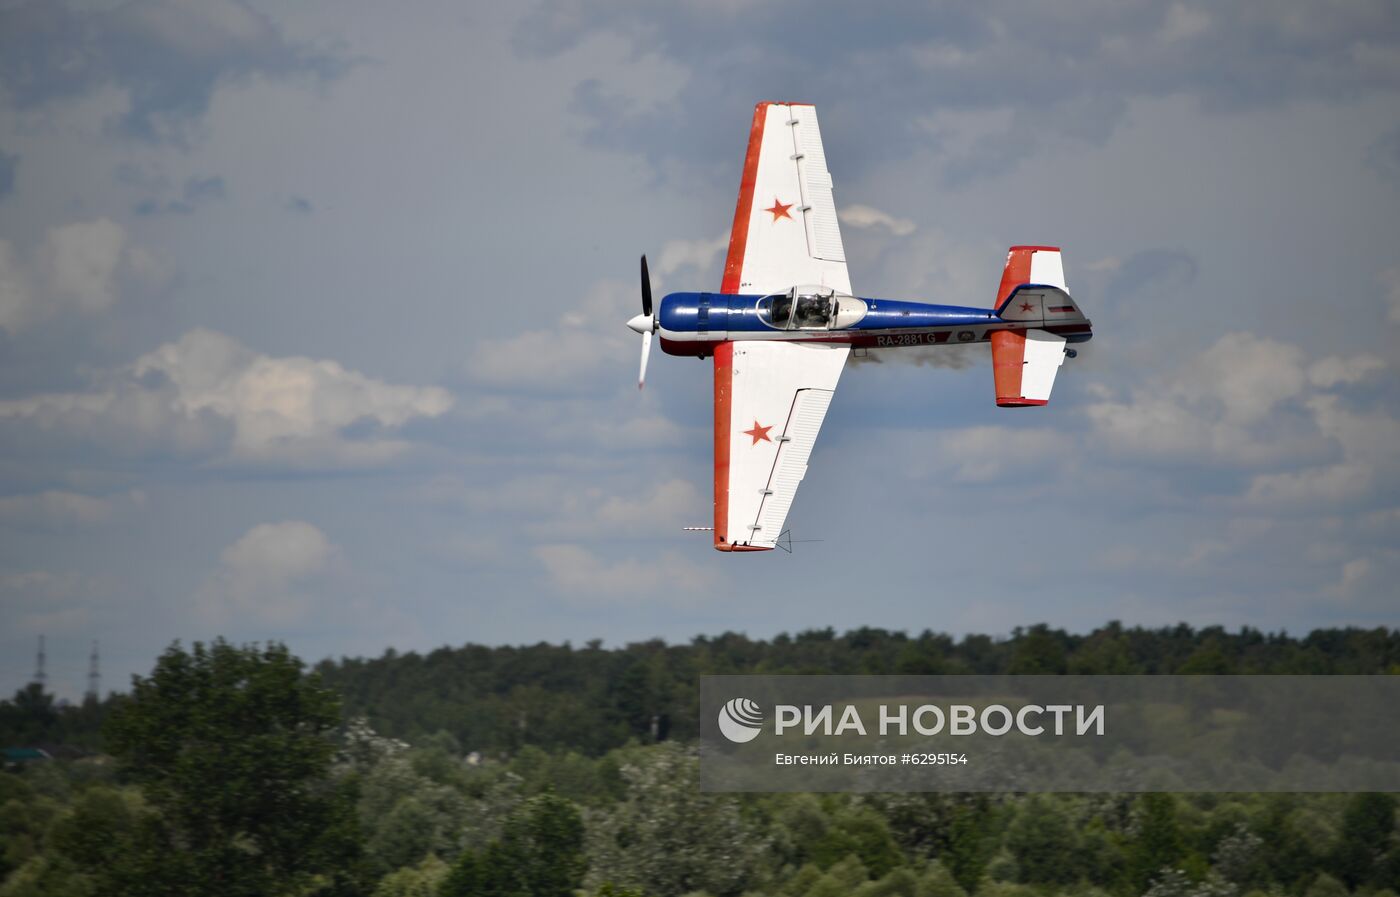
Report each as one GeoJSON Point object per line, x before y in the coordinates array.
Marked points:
{"type": "Point", "coordinates": [1033, 294]}
{"type": "Point", "coordinates": [1033, 288]}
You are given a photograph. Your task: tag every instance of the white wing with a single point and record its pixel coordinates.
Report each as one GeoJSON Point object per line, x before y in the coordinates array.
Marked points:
{"type": "Point", "coordinates": [771, 396]}
{"type": "Point", "coordinates": [785, 230]}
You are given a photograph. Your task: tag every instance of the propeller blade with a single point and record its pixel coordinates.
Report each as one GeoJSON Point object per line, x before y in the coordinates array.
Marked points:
{"type": "Point", "coordinates": [646, 353]}
{"type": "Point", "coordinates": [646, 289]}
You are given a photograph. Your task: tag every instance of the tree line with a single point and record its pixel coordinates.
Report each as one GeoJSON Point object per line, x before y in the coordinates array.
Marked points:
{"type": "Point", "coordinates": [592, 699]}
{"type": "Point", "coordinates": [234, 770]}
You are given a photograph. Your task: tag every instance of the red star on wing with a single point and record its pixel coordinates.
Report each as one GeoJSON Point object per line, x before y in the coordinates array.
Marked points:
{"type": "Point", "coordinates": [1026, 306]}
{"type": "Point", "coordinates": [758, 433]}
{"type": "Point", "coordinates": [779, 210]}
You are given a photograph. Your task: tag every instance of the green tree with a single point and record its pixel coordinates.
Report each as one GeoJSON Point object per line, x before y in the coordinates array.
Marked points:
{"type": "Point", "coordinates": [29, 717]}
{"type": "Point", "coordinates": [539, 854]}
{"type": "Point", "coordinates": [1039, 651]}
{"type": "Point", "coordinates": [421, 880]}
{"type": "Point", "coordinates": [826, 832]}
{"type": "Point", "coordinates": [1207, 660]}
{"type": "Point", "coordinates": [937, 881]}
{"type": "Point", "coordinates": [972, 842]}
{"type": "Point", "coordinates": [1326, 886]}
{"type": "Point", "coordinates": [1158, 843]}
{"type": "Point", "coordinates": [1367, 824]}
{"type": "Point", "coordinates": [232, 747]}
{"type": "Point", "coordinates": [667, 837]}
{"type": "Point", "coordinates": [1043, 842]}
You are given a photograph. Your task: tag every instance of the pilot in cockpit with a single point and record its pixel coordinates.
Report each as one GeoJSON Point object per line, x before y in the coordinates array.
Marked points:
{"type": "Point", "coordinates": [781, 309]}
{"type": "Point", "coordinates": [814, 311]}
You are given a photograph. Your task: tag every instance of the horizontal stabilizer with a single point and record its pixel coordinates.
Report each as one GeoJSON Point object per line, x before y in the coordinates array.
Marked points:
{"type": "Point", "coordinates": [1024, 365]}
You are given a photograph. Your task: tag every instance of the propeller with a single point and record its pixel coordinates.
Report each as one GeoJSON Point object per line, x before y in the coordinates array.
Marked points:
{"type": "Point", "coordinates": [646, 289]}
{"type": "Point", "coordinates": [644, 323]}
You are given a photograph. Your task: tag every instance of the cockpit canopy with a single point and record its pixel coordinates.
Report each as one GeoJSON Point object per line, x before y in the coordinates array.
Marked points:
{"type": "Point", "coordinates": [810, 308]}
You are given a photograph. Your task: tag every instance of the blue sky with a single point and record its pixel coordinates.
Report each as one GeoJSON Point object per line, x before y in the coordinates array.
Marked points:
{"type": "Point", "coordinates": [311, 320]}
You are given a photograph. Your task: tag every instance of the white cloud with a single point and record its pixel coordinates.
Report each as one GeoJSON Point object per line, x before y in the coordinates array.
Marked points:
{"type": "Point", "coordinates": [652, 430]}
{"type": "Point", "coordinates": [208, 395]}
{"type": "Point", "coordinates": [212, 28]}
{"type": "Point", "coordinates": [591, 337]}
{"type": "Point", "coordinates": [58, 509]}
{"type": "Point", "coordinates": [1367, 579]}
{"type": "Point", "coordinates": [80, 261]}
{"type": "Point", "coordinates": [1252, 402]}
{"type": "Point", "coordinates": [701, 255]}
{"type": "Point", "coordinates": [584, 578]}
{"type": "Point", "coordinates": [1183, 23]}
{"type": "Point", "coordinates": [543, 359]}
{"type": "Point", "coordinates": [864, 217]}
{"type": "Point", "coordinates": [1367, 442]}
{"type": "Point", "coordinates": [49, 601]}
{"type": "Point", "coordinates": [986, 454]}
{"type": "Point", "coordinates": [266, 576]}
{"type": "Point", "coordinates": [16, 289]}
{"type": "Point", "coordinates": [1334, 371]}
{"type": "Point", "coordinates": [82, 267]}
{"type": "Point", "coordinates": [1224, 405]}
{"type": "Point", "coordinates": [1336, 482]}
{"type": "Point", "coordinates": [593, 512]}
{"type": "Point", "coordinates": [569, 356]}
{"type": "Point", "coordinates": [1390, 277]}
{"type": "Point", "coordinates": [552, 507]}
{"type": "Point", "coordinates": [1246, 374]}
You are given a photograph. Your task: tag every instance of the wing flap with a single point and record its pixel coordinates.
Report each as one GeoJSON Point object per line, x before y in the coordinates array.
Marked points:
{"type": "Point", "coordinates": [799, 437]}
{"type": "Point", "coordinates": [819, 204]}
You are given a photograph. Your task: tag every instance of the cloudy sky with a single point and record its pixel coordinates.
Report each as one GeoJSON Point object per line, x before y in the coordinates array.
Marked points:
{"type": "Point", "coordinates": [311, 319]}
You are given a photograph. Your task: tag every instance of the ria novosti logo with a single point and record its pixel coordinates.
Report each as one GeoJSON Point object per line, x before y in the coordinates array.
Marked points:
{"type": "Point", "coordinates": [740, 720]}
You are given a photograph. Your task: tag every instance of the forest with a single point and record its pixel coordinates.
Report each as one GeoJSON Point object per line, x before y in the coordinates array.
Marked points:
{"type": "Point", "coordinates": [563, 770]}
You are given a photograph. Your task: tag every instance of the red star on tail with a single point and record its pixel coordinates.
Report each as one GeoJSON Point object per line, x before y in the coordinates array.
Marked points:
{"type": "Point", "coordinates": [779, 210]}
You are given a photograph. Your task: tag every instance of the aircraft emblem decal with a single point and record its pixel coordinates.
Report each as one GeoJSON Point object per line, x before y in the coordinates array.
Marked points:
{"type": "Point", "coordinates": [779, 209]}
{"type": "Point", "coordinates": [759, 434]}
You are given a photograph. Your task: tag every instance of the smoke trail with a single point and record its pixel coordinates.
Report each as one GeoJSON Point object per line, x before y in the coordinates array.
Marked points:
{"type": "Point", "coordinates": [956, 357]}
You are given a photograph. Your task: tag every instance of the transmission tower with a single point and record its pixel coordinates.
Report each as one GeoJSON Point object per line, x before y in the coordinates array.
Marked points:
{"type": "Point", "coordinates": [40, 677]}
{"type": "Point", "coordinates": [94, 689]}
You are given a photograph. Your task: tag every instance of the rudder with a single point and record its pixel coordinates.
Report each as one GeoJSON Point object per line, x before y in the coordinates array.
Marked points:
{"type": "Point", "coordinates": [1033, 294]}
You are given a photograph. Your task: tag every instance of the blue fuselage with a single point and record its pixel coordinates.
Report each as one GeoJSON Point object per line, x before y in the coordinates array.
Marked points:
{"type": "Point", "coordinates": [693, 323]}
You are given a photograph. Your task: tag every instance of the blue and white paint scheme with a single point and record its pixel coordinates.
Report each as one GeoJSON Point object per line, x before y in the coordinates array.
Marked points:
{"type": "Point", "coordinates": [693, 323]}
{"type": "Point", "coordinates": [785, 318]}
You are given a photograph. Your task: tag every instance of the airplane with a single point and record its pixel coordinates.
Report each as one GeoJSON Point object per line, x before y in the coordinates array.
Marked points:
{"type": "Point", "coordinates": [785, 319]}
